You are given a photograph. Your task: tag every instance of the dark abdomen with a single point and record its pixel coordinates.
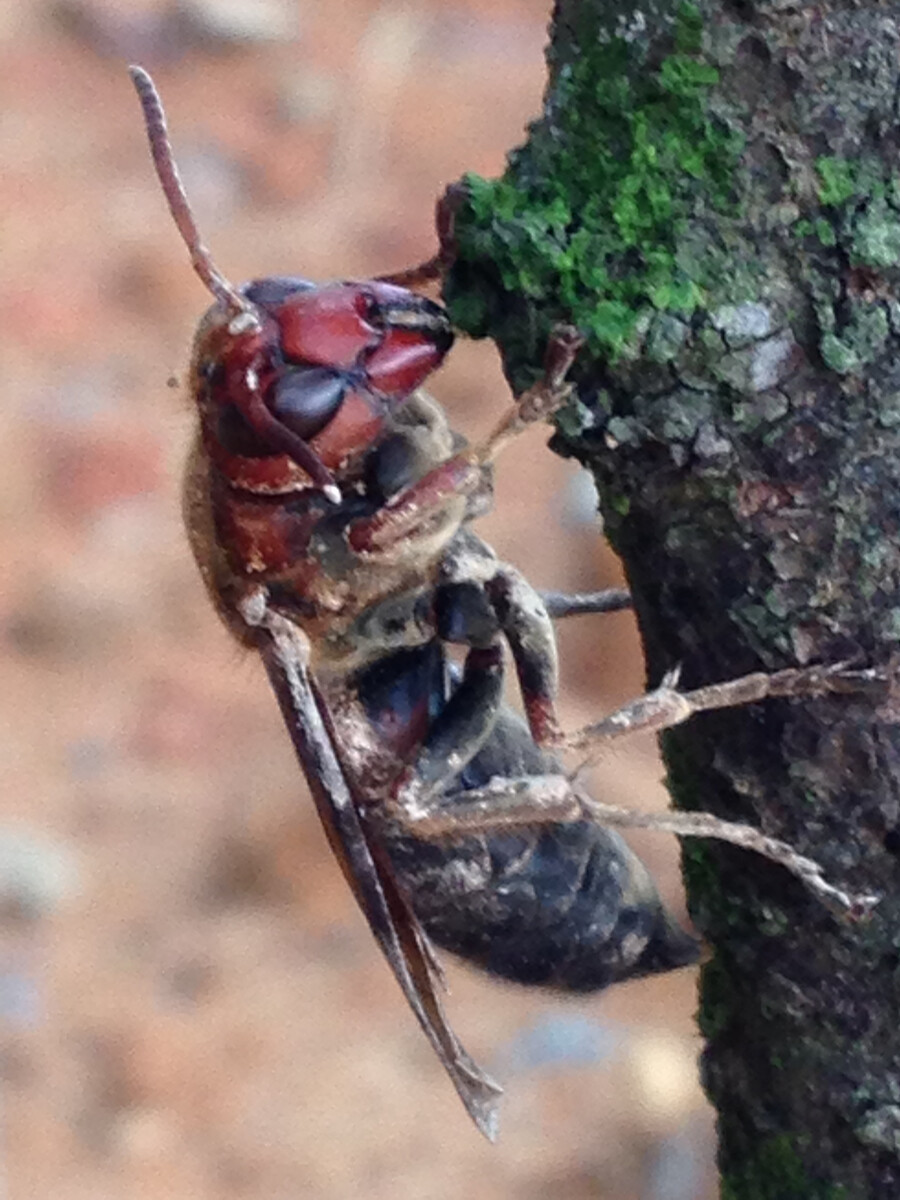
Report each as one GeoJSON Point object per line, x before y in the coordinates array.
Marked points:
{"type": "Point", "coordinates": [568, 905]}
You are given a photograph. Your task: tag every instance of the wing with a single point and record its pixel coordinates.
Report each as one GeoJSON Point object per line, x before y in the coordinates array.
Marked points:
{"type": "Point", "coordinates": [365, 866]}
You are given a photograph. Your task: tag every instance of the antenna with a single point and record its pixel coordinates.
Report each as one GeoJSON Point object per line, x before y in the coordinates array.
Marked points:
{"type": "Point", "coordinates": [255, 409]}
{"type": "Point", "coordinates": [176, 196]}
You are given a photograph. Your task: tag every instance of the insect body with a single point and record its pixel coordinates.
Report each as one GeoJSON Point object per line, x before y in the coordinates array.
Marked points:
{"type": "Point", "coordinates": [328, 506]}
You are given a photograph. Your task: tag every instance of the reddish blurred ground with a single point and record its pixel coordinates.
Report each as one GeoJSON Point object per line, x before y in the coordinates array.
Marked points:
{"type": "Point", "coordinates": [191, 1005]}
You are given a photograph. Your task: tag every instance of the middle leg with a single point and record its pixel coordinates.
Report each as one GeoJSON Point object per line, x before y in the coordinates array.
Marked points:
{"type": "Point", "coordinates": [576, 604]}
{"type": "Point", "coordinates": [666, 706]}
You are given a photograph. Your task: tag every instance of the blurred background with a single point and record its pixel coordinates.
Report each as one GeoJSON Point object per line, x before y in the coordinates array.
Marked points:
{"type": "Point", "coordinates": [190, 1004]}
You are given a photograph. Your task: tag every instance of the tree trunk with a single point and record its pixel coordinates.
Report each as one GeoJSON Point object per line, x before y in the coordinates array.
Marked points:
{"type": "Point", "coordinates": [711, 196]}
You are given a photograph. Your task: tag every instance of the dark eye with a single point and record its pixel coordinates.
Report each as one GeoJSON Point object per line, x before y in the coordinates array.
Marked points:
{"type": "Point", "coordinates": [306, 399]}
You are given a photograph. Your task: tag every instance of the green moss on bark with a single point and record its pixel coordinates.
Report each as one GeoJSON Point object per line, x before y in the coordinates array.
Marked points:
{"type": "Point", "coordinates": [593, 210]}
{"type": "Point", "coordinates": [775, 1170]}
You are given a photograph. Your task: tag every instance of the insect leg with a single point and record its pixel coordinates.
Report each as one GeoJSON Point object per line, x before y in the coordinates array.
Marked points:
{"type": "Point", "coordinates": [507, 602]}
{"type": "Point", "coordinates": [564, 604]}
{"type": "Point", "coordinates": [461, 475]}
{"type": "Point", "coordinates": [464, 724]}
{"type": "Point", "coordinates": [464, 474]}
{"type": "Point", "coordinates": [473, 614]}
{"type": "Point", "coordinates": [507, 804]}
{"type": "Point", "coordinates": [665, 706]}
{"type": "Point", "coordinates": [543, 398]}
{"type": "Point", "coordinates": [527, 627]}
{"type": "Point", "coordinates": [445, 223]}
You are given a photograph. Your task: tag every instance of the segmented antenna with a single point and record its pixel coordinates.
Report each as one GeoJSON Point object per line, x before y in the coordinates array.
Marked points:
{"type": "Point", "coordinates": [260, 417]}
{"type": "Point", "coordinates": [176, 196]}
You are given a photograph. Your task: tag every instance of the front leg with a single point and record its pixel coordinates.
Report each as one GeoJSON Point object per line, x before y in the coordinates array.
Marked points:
{"type": "Point", "coordinates": [436, 268]}
{"type": "Point", "coordinates": [464, 474]}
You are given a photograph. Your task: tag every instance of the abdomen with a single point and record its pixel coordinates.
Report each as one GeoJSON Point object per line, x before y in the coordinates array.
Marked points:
{"type": "Point", "coordinates": [567, 904]}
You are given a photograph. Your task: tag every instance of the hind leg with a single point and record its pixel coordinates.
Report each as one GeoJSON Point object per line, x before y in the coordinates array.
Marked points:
{"type": "Point", "coordinates": [506, 804]}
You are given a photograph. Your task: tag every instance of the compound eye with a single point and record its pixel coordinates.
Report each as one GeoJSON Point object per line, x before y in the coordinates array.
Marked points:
{"type": "Point", "coordinates": [307, 398]}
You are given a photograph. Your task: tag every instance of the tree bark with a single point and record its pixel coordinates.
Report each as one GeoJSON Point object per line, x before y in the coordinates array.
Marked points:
{"type": "Point", "coordinates": [711, 196]}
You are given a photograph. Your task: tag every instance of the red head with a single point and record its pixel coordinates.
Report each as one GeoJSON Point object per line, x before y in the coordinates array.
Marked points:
{"type": "Point", "coordinates": [294, 380]}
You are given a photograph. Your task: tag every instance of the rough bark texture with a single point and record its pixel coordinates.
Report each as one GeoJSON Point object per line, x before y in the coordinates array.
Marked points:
{"type": "Point", "coordinates": [712, 196]}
